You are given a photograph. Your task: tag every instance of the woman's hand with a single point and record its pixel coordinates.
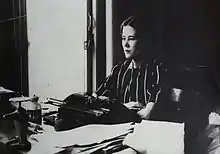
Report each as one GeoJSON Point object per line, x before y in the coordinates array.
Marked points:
{"type": "Point", "coordinates": [145, 112]}
{"type": "Point", "coordinates": [94, 95]}
{"type": "Point", "coordinates": [134, 106]}
{"type": "Point", "coordinates": [103, 98]}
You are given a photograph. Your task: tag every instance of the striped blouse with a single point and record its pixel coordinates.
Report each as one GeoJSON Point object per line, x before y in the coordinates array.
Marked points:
{"type": "Point", "coordinates": [126, 83]}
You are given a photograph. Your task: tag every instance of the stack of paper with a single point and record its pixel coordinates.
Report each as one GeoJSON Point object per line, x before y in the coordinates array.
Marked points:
{"type": "Point", "coordinates": [155, 137]}
{"type": "Point", "coordinates": [89, 135]}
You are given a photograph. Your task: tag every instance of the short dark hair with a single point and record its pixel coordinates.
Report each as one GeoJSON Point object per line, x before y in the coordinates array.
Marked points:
{"type": "Point", "coordinates": [138, 23]}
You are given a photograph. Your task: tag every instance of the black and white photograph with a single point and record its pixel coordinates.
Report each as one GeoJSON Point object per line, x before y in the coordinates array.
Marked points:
{"type": "Point", "coordinates": [109, 77]}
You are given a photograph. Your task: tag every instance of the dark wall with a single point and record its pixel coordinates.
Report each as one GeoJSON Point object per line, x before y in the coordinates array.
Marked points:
{"type": "Point", "coordinates": [13, 46]}
{"type": "Point", "coordinates": [100, 43]}
{"type": "Point", "coordinates": [185, 32]}
{"type": "Point", "coordinates": [9, 60]}
{"type": "Point", "coordinates": [190, 32]}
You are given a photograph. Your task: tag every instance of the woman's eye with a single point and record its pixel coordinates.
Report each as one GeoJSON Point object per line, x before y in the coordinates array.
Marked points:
{"type": "Point", "coordinates": [123, 38]}
{"type": "Point", "coordinates": [132, 38]}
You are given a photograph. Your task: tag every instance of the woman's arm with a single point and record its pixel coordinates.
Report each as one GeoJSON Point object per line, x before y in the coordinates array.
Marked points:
{"type": "Point", "coordinates": [146, 111]}
{"type": "Point", "coordinates": [153, 89]}
{"type": "Point", "coordinates": [108, 87]}
{"type": "Point", "coordinates": [143, 112]}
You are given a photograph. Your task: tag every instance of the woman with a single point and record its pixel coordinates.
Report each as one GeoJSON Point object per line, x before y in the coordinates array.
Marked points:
{"type": "Point", "coordinates": [136, 82]}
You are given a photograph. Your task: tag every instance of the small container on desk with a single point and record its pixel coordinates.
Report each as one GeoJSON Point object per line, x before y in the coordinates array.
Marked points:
{"type": "Point", "coordinates": [32, 107]}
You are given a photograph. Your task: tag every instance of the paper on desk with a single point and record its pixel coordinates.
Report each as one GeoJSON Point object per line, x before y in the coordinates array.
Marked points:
{"type": "Point", "coordinates": [84, 135]}
{"type": "Point", "coordinates": [43, 147]}
{"type": "Point", "coordinates": [3, 90]}
{"type": "Point", "coordinates": [91, 149]}
{"type": "Point", "coordinates": [155, 137]}
{"type": "Point", "coordinates": [214, 118]}
{"type": "Point", "coordinates": [48, 108]}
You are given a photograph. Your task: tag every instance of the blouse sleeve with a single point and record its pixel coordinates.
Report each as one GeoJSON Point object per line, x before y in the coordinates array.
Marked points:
{"type": "Point", "coordinates": [156, 78]}
{"type": "Point", "coordinates": [108, 87]}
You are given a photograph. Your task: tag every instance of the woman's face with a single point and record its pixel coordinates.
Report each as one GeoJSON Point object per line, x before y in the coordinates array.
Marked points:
{"type": "Point", "coordinates": [129, 42]}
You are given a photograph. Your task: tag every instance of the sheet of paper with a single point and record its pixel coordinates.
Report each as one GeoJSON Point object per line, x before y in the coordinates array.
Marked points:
{"type": "Point", "coordinates": [43, 147]}
{"type": "Point", "coordinates": [85, 135]}
{"type": "Point", "coordinates": [214, 118]}
{"type": "Point", "coordinates": [3, 90]}
{"type": "Point", "coordinates": [155, 137]}
{"type": "Point", "coordinates": [49, 108]}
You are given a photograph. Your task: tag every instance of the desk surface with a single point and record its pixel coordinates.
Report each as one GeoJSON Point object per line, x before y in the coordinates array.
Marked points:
{"type": "Point", "coordinates": [37, 146]}
{"type": "Point", "coordinates": [51, 141]}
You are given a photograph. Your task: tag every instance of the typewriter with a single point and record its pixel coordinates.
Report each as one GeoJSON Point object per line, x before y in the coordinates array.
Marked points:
{"type": "Point", "coordinates": [78, 110]}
